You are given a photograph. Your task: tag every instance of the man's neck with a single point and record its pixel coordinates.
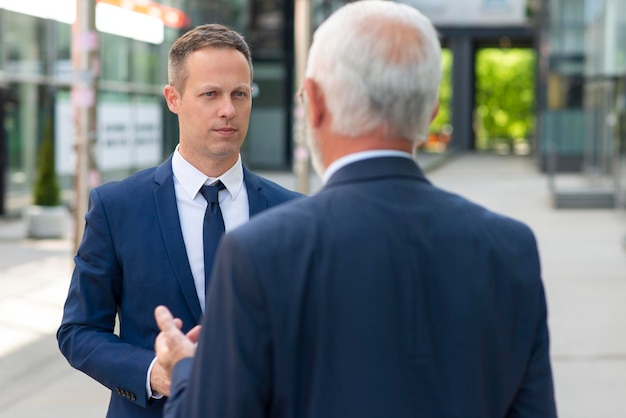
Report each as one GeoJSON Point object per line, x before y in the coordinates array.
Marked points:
{"type": "Point", "coordinates": [211, 167]}
{"type": "Point", "coordinates": [338, 146]}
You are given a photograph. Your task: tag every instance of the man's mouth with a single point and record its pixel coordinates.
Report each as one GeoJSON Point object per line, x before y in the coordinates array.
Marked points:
{"type": "Point", "coordinates": [226, 131]}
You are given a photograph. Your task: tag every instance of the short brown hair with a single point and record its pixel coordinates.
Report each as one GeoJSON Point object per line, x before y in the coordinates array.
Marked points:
{"type": "Point", "coordinates": [210, 35]}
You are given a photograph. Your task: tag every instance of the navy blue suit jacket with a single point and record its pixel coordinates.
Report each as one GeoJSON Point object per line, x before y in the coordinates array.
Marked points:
{"type": "Point", "coordinates": [132, 258]}
{"type": "Point", "coordinates": [380, 296]}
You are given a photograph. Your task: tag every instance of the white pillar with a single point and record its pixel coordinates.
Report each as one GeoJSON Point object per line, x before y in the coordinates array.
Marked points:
{"type": "Point", "coordinates": [302, 41]}
{"type": "Point", "coordinates": [85, 66]}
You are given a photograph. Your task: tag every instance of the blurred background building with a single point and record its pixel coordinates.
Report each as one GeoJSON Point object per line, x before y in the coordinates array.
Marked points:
{"type": "Point", "coordinates": [581, 123]}
{"type": "Point", "coordinates": [134, 128]}
{"type": "Point", "coordinates": [575, 89]}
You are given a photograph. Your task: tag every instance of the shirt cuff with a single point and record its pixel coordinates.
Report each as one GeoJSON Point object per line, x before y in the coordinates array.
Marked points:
{"type": "Point", "coordinates": [151, 395]}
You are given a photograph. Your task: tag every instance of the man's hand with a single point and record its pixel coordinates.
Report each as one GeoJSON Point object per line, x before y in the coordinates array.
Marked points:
{"type": "Point", "coordinates": [171, 346]}
{"type": "Point", "coordinates": [159, 380]}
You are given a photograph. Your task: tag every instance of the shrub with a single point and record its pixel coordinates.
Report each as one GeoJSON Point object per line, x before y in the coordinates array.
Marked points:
{"type": "Point", "coordinates": [46, 190]}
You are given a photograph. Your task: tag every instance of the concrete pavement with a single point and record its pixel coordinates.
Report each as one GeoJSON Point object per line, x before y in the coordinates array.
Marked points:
{"type": "Point", "coordinates": [584, 268]}
{"type": "Point", "coordinates": [35, 381]}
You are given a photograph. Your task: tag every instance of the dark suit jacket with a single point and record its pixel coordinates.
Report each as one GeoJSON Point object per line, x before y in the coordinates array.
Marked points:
{"type": "Point", "coordinates": [381, 296]}
{"type": "Point", "coordinates": [131, 259]}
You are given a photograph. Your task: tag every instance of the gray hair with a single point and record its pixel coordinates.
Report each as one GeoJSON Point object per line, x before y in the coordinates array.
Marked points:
{"type": "Point", "coordinates": [378, 64]}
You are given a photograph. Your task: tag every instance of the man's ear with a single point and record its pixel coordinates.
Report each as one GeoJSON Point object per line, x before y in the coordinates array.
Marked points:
{"type": "Point", "coordinates": [316, 103]}
{"type": "Point", "coordinates": [172, 98]}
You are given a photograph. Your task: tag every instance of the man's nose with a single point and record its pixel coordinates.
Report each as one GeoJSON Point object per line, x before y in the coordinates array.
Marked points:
{"type": "Point", "coordinates": [226, 109]}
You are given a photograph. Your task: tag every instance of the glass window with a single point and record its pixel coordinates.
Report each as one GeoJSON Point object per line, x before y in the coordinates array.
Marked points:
{"type": "Point", "coordinates": [267, 30]}
{"type": "Point", "coordinates": [63, 63]}
{"type": "Point", "coordinates": [264, 146]}
{"type": "Point", "coordinates": [2, 49]}
{"type": "Point", "coordinates": [25, 44]}
{"type": "Point", "coordinates": [620, 37]}
{"type": "Point", "coordinates": [496, 3]}
{"type": "Point", "coordinates": [23, 114]}
{"type": "Point", "coordinates": [114, 57]}
{"type": "Point", "coordinates": [620, 52]}
{"type": "Point", "coordinates": [145, 63]}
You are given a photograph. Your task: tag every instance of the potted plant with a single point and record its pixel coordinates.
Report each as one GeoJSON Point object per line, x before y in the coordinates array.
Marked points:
{"type": "Point", "coordinates": [46, 217]}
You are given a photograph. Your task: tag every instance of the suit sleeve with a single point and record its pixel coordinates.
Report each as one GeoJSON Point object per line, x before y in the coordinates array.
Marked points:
{"type": "Point", "coordinates": [174, 407]}
{"type": "Point", "coordinates": [231, 374]}
{"type": "Point", "coordinates": [535, 398]}
{"type": "Point", "coordinates": [87, 336]}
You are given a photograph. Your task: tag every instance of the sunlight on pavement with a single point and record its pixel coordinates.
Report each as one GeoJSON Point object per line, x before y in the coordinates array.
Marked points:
{"type": "Point", "coordinates": [31, 301]}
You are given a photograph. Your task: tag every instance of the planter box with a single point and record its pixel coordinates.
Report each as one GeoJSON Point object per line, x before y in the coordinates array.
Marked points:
{"type": "Point", "coordinates": [47, 221]}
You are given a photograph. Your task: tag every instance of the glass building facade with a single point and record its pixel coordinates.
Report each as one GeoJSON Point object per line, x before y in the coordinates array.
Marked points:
{"type": "Point", "coordinates": [582, 106]}
{"type": "Point", "coordinates": [134, 127]}
{"type": "Point", "coordinates": [581, 87]}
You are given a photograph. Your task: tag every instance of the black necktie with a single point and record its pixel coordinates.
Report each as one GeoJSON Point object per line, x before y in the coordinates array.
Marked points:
{"type": "Point", "coordinates": [213, 227]}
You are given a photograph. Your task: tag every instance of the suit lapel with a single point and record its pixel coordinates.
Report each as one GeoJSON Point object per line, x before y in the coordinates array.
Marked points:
{"type": "Point", "coordinates": [257, 202]}
{"type": "Point", "coordinates": [169, 221]}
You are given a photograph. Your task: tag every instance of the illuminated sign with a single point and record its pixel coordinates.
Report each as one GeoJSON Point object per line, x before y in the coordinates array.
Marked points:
{"type": "Point", "coordinates": [141, 20]}
{"type": "Point", "coordinates": [129, 24]}
{"type": "Point", "coordinates": [60, 10]}
{"type": "Point", "coordinates": [168, 15]}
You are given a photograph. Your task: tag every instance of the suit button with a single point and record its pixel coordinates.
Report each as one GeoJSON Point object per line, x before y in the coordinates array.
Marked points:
{"type": "Point", "coordinates": [126, 394]}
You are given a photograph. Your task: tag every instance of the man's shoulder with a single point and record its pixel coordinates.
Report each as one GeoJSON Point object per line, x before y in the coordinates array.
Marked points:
{"type": "Point", "coordinates": [132, 184]}
{"type": "Point", "coordinates": [467, 218]}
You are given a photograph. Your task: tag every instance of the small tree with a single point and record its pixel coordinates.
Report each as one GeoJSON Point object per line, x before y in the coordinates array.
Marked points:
{"type": "Point", "coordinates": [505, 95]}
{"type": "Point", "coordinates": [46, 190]}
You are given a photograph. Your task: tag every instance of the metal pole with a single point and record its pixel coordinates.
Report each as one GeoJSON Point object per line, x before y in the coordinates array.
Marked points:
{"type": "Point", "coordinates": [85, 65]}
{"type": "Point", "coordinates": [302, 40]}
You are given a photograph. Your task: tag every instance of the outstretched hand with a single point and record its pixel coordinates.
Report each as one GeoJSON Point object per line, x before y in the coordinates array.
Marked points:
{"type": "Point", "coordinates": [171, 344]}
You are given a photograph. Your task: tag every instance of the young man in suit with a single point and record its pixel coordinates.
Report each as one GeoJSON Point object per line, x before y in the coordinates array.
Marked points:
{"type": "Point", "coordinates": [382, 295]}
{"type": "Point", "coordinates": [143, 241]}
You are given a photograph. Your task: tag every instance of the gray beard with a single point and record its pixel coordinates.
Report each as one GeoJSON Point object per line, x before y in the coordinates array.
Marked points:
{"type": "Point", "coordinates": [312, 142]}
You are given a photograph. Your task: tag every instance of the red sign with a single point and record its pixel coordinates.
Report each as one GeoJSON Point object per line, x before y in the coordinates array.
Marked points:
{"type": "Point", "coordinates": [170, 16]}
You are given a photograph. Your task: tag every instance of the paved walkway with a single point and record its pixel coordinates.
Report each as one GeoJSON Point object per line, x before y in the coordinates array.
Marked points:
{"type": "Point", "coordinates": [584, 265]}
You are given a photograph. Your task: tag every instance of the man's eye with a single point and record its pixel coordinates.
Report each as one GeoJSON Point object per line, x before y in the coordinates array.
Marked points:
{"type": "Point", "coordinates": [210, 94]}
{"type": "Point", "coordinates": [241, 94]}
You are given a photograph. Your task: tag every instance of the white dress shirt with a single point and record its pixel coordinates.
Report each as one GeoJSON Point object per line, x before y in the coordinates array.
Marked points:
{"type": "Point", "coordinates": [191, 207]}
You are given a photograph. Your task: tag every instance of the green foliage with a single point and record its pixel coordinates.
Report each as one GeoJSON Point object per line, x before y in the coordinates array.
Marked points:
{"type": "Point", "coordinates": [505, 95]}
{"type": "Point", "coordinates": [46, 189]}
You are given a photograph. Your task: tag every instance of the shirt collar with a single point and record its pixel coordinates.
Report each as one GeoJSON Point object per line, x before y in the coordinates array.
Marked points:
{"type": "Point", "coordinates": [192, 179]}
{"type": "Point", "coordinates": [358, 156]}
